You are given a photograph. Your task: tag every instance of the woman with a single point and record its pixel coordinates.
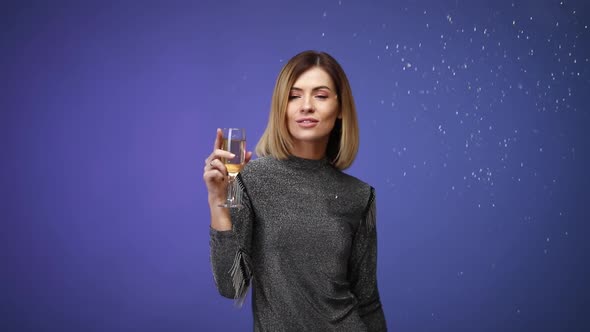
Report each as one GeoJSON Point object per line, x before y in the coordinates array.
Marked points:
{"type": "Point", "coordinates": [306, 237]}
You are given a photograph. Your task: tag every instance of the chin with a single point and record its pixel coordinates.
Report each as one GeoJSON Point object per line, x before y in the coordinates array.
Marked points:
{"type": "Point", "coordinates": [309, 137]}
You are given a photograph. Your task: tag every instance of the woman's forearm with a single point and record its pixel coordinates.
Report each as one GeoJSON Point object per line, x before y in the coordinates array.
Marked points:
{"type": "Point", "coordinates": [220, 217]}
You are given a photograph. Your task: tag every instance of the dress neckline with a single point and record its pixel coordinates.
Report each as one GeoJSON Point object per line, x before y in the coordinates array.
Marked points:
{"type": "Point", "coordinates": [304, 163]}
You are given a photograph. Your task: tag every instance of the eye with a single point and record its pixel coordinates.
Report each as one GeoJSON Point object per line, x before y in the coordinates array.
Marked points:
{"type": "Point", "coordinates": [321, 97]}
{"type": "Point", "coordinates": [291, 97]}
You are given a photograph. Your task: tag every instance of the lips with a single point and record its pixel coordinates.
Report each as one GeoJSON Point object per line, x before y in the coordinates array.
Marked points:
{"type": "Point", "coordinates": [307, 123]}
{"type": "Point", "coordinates": [307, 120]}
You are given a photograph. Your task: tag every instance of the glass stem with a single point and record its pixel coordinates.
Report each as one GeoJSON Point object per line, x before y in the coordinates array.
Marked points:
{"type": "Point", "coordinates": [231, 189]}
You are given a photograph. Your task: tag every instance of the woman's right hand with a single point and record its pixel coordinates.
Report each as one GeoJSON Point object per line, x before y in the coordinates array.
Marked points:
{"type": "Point", "coordinates": [215, 172]}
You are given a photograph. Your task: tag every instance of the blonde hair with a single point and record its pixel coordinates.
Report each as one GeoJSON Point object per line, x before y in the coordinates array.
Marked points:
{"type": "Point", "coordinates": [344, 139]}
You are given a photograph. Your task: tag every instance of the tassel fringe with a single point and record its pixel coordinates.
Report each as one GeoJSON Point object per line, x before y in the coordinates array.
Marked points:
{"type": "Point", "coordinates": [241, 275]}
{"type": "Point", "coordinates": [238, 189]}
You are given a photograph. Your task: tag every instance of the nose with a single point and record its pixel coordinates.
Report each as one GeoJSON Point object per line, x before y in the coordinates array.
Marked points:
{"type": "Point", "coordinates": [307, 106]}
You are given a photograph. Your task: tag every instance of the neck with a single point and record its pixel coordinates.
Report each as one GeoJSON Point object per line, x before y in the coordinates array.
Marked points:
{"type": "Point", "coordinates": [309, 150]}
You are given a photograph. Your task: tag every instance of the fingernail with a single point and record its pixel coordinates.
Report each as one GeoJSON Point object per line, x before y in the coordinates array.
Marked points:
{"type": "Point", "coordinates": [232, 155]}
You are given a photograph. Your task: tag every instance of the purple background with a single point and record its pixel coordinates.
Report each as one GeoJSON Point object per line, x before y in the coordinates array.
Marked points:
{"type": "Point", "coordinates": [473, 119]}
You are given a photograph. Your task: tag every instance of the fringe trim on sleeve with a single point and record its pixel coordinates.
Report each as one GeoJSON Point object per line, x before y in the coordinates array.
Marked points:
{"type": "Point", "coordinates": [239, 189]}
{"type": "Point", "coordinates": [371, 213]}
{"type": "Point", "coordinates": [241, 274]}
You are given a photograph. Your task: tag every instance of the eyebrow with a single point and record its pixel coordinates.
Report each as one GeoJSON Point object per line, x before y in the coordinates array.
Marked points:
{"type": "Point", "coordinates": [314, 89]}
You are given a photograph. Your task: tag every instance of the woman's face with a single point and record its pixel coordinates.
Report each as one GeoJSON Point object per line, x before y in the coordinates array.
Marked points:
{"type": "Point", "coordinates": [313, 107]}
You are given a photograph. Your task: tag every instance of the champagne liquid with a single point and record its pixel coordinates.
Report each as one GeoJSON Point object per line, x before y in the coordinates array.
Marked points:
{"type": "Point", "coordinates": [237, 147]}
{"type": "Point", "coordinates": [233, 168]}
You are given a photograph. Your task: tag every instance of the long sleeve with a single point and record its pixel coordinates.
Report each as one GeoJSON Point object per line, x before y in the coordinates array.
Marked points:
{"type": "Point", "coordinates": [363, 270]}
{"type": "Point", "coordinates": [230, 252]}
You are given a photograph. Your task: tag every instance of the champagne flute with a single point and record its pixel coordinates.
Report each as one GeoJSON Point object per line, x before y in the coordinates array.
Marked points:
{"type": "Point", "coordinates": [234, 141]}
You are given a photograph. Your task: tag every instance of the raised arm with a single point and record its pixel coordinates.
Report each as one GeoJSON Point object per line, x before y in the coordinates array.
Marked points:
{"type": "Point", "coordinates": [215, 177]}
{"type": "Point", "coordinates": [230, 234]}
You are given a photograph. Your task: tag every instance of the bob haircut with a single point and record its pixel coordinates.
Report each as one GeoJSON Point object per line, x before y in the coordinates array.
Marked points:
{"type": "Point", "coordinates": [343, 143]}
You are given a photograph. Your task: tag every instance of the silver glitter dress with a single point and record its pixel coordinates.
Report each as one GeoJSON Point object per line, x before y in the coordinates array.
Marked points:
{"type": "Point", "coordinates": [306, 241]}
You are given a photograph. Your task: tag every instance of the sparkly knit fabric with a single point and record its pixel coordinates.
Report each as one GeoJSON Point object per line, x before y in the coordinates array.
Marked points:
{"type": "Point", "coordinates": [305, 241]}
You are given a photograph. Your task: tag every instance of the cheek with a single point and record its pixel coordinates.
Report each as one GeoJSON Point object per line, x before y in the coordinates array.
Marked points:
{"type": "Point", "coordinates": [291, 111]}
{"type": "Point", "coordinates": [332, 116]}
{"type": "Point", "coordinates": [329, 123]}
{"type": "Point", "coordinates": [290, 118]}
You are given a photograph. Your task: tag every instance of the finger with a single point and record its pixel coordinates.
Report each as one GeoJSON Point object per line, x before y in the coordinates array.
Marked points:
{"type": "Point", "coordinates": [217, 165]}
{"type": "Point", "coordinates": [218, 140]}
{"type": "Point", "coordinates": [218, 154]}
{"type": "Point", "coordinates": [213, 176]}
{"type": "Point", "coordinates": [248, 156]}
